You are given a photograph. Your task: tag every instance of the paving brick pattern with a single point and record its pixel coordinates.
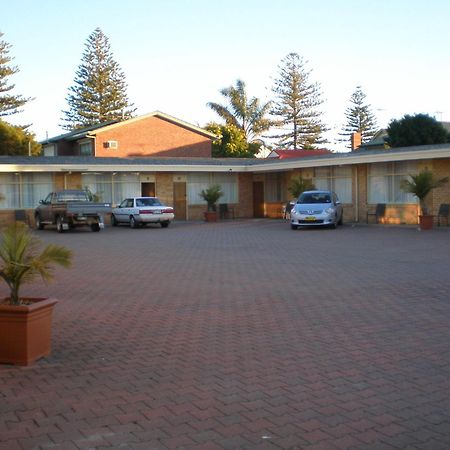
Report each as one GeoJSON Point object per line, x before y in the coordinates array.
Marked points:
{"type": "Point", "coordinates": [241, 335]}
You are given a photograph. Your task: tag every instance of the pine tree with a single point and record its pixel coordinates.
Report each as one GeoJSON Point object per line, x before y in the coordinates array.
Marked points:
{"type": "Point", "coordinates": [296, 105]}
{"type": "Point", "coordinates": [99, 91]}
{"type": "Point", "coordinates": [9, 104]}
{"type": "Point", "coordinates": [360, 119]}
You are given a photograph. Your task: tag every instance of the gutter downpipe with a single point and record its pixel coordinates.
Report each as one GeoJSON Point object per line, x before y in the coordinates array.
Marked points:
{"type": "Point", "coordinates": [356, 195]}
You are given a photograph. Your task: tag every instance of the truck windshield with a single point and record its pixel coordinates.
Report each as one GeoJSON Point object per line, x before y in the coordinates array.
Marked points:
{"type": "Point", "coordinates": [72, 197]}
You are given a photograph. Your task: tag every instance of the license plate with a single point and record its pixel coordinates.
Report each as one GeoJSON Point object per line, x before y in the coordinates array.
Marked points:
{"type": "Point", "coordinates": [157, 211]}
{"type": "Point", "coordinates": [81, 218]}
{"type": "Point", "coordinates": [310, 218]}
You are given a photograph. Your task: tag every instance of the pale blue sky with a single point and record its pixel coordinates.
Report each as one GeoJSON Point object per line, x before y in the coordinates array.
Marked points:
{"type": "Point", "coordinates": [178, 54]}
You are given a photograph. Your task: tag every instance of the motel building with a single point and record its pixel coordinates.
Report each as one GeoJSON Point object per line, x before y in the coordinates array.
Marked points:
{"type": "Point", "coordinates": [160, 155]}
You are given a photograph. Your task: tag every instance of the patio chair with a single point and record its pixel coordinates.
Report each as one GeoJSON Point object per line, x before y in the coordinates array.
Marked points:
{"type": "Point", "coordinates": [379, 213]}
{"type": "Point", "coordinates": [20, 215]}
{"type": "Point", "coordinates": [444, 211]}
{"type": "Point", "coordinates": [225, 211]}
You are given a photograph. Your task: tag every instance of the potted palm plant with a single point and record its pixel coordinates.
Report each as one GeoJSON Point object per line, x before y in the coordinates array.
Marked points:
{"type": "Point", "coordinates": [211, 196]}
{"type": "Point", "coordinates": [25, 322]}
{"type": "Point", "coordinates": [421, 185]}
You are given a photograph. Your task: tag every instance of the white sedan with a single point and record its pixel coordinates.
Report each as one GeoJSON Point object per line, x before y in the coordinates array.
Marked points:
{"type": "Point", "coordinates": [137, 211]}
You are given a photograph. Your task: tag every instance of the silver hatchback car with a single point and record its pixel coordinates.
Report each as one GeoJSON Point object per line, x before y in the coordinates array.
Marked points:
{"type": "Point", "coordinates": [317, 208]}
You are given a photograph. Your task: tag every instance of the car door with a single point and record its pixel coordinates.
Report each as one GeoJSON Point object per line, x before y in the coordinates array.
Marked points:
{"type": "Point", "coordinates": [122, 212]}
{"type": "Point", "coordinates": [45, 210]}
{"type": "Point", "coordinates": [338, 206]}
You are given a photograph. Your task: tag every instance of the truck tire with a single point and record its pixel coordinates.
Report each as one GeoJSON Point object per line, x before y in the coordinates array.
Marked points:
{"type": "Point", "coordinates": [95, 227]}
{"type": "Point", "coordinates": [59, 225]}
{"type": "Point", "coordinates": [37, 221]}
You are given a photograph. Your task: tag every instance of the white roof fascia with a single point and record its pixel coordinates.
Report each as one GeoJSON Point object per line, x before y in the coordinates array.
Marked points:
{"type": "Point", "coordinates": [8, 168]}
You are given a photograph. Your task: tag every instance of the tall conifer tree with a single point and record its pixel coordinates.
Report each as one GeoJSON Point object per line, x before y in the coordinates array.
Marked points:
{"type": "Point", "coordinates": [296, 105]}
{"type": "Point", "coordinates": [360, 119]}
{"type": "Point", "coordinates": [9, 104]}
{"type": "Point", "coordinates": [99, 91]}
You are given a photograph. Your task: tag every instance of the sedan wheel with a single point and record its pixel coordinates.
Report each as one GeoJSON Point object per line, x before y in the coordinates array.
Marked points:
{"type": "Point", "coordinates": [39, 224]}
{"type": "Point", "coordinates": [293, 227]}
{"type": "Point", "coordinates": [113, 221]}
{"type": "Point", "coordinates": [133, 223]}
{"type": "Point", "coordinates": [164, 224]}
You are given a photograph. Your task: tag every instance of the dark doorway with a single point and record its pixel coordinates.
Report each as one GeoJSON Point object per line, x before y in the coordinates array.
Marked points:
{"type": "Point", "coordinates": [258, 199]}
{"type": "Point", "coordinates": [179, 200]}
{"type": "Point", "coordinates": [148, 189]}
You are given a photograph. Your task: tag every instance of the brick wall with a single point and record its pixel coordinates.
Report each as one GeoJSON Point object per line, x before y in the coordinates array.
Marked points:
{"type": "Point", "coordinates": [164, 187]}
{"type": "Point", "coordinates": [441, 169]}
{"type": "Point", "coordinates": [152, 136]}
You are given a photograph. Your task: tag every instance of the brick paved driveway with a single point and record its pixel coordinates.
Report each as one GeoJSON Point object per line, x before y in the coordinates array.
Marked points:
{"type": "Point", "coordinates": [241, 335]}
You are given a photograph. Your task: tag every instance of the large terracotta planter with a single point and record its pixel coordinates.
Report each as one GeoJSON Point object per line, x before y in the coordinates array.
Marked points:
{"type": "Point", "coordinates": [426, 222]}
{"type": "Point", "coordinates": [211, 216]}
{"type": "Point", "coordinates": [25, 331]}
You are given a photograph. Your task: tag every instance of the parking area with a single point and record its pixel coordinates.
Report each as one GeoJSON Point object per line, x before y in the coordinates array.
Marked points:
{"type": "Point", "coordinates": [240, 335]}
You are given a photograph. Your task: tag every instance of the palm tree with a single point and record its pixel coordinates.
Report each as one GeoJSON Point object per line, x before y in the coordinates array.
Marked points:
{"type": "Point", "coordinates": [22, 262]}
{"type": "Point", "coordinates": [299, 185]}
{"type": "Point", "coordinates": [421, 185]}
{"type": "Point", "coordinates": [248, 115]}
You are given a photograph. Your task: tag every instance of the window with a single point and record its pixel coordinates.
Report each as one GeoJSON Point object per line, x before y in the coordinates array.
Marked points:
{"type": "Point", "coordinates": [24, 190]}
{"type": "Point", "coordinates": [112, 188]}
{"type": "Point", "coordinates": [86, 148]}
{"type": "Point", "coordinates": [274, 187]}
{"type": "Point", "coordinates": [337, 179]}
{"type": "Point", "coordinates": [199, 181]}
{"type": "Point", "coordinates": [384, 180]}
{"type": "Point", "coordinates": [49, 150]}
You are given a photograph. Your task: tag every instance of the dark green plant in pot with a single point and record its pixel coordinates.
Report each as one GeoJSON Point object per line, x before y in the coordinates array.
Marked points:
{"type": "Point", "coordinates": [22, 261]}
{"type": "Point", "coordinates": [211, 196]}
{"type": "Point", "coordinates": [300, 185]}
{"type": "Point", "coordinates": [421, 185]}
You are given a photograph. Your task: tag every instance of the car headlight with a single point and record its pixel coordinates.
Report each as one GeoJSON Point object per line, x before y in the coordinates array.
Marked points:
{"type": "Point", "coordinates": [329, 211]}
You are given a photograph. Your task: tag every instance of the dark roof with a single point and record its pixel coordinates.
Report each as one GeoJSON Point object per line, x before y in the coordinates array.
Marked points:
{"type": "Point", "coordinates": [177, 161]}
{"type": "Point", "coordinates": [77, 134]}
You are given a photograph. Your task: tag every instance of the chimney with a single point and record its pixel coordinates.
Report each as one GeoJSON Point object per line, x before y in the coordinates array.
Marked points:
{"type": "Point", "coordinates": [355, 141]}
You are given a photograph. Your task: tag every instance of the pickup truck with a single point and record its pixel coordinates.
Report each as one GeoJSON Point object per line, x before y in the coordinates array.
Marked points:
{"type": "Point", "coordinates": [70, 208]}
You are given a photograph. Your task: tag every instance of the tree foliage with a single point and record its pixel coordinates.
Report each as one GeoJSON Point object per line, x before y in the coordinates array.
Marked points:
{"type": "Point", "coordinates": [249, 115]}
{"type": "Point", "coordinates": [419, 129]}
{"type": "Point", "coordinates": [300, 185]}
{"type": "Point", "coordinates": [99, 91]}
{"type": "Point", "coordinates": [421, 185]}
{"type": "Point", "coordinates": [296, 105]}
{"type": "Point", "coordinates": [360, 119]}
{"type": "Point", "coordinates": [231, 142]}
{"type": "Point", "coordinates": [22, 262]}
{"type": "Point", "coordinates": [9, 103]}
{"type": "Point", "coordinates": [14, 140]}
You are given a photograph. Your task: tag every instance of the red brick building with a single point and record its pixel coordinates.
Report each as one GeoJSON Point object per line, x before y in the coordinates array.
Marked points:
{"type": "Point", "coordinates": [154, 134]}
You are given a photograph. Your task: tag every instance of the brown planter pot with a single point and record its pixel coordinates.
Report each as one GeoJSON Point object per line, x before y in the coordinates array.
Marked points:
{"type": "Point", "coordinates": [25, 331]}
{"type": "Point", "coordinates": [426, 222]}
{"type": "Point", "coordinates": [210, 216]}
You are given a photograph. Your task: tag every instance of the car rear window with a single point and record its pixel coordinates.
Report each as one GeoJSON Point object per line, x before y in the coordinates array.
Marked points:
{"type": "Point", "coordinates": [148, 202]}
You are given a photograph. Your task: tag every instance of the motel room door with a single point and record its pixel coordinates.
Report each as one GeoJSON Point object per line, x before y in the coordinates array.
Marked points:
{"type": "Point", "coordinates": [258, 199]}
{"type": "Point", "coordinates": [179, 200]}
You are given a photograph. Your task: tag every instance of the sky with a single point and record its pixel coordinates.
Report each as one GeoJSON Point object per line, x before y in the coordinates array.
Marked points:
{"type": "Point", "coordinates": [178, 54]}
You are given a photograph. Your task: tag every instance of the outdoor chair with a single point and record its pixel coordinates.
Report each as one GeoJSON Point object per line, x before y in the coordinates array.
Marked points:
{"type": "Point", "coordinates": [379, 213]}
{"type": "Point", "coordinates": [20, 215]}
{"type": "Point", "coordinates": [225, 211]}
{"type": "Point", "coordinates": [444, 210]}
